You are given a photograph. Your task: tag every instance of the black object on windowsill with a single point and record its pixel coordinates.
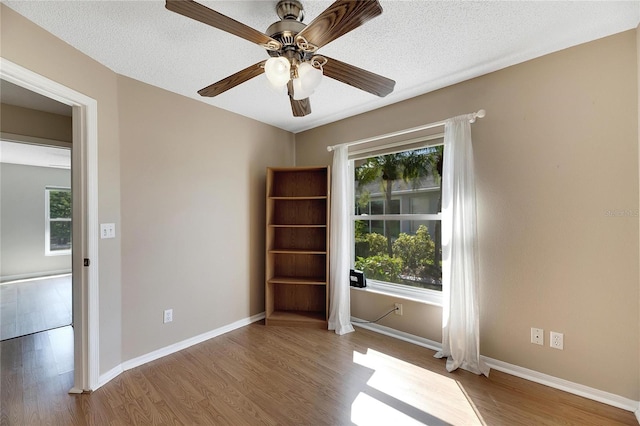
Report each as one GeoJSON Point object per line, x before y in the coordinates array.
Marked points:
{"type": "Point", "coordinates": [357, 278]}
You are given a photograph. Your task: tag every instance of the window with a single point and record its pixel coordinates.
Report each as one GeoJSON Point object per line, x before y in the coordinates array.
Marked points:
{"type": "Point", "coordinates": [58, 221]}
{"type": "Point", "coordinates": [397, 199]}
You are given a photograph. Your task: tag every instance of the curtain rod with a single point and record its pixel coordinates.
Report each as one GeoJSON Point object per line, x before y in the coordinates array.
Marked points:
{"type": "Point", "coordinates": [474, 115]}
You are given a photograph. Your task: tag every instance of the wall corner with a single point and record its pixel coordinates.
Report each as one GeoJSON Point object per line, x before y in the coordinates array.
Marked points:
{"type": "Point", "coordinates": [638, 113]}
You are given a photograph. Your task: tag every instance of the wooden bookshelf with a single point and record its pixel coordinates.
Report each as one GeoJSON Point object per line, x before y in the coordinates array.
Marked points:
{"type": "Point", "coordinates": [297, 246]}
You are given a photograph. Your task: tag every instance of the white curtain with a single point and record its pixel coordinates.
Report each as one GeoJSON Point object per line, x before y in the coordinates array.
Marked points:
{"type": "Point", "coordinates": [460, 318]}
{"type": "Point", "coordinates": [339, 250]}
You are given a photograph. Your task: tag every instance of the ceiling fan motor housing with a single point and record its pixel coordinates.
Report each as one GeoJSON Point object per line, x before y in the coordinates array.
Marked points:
{"type": "Point", "coordinates": [291, 14]}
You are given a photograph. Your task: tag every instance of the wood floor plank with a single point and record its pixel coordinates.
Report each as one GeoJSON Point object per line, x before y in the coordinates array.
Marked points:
{"type": "Point", "coordinates": [285, 376]}
{"type": "Point", "coordinates": [12, 398]}
{"type": "Point", "coordinates": [85, 409]}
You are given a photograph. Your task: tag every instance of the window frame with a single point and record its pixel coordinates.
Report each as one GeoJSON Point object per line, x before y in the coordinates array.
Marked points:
{"type": "Point", "coordinates": [422, 295]}
{"type": "Point", "coordinates": [48, 220]}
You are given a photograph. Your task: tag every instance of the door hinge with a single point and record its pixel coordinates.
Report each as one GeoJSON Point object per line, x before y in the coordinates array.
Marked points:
{"type": "Point", "coordinates": [86, 262]}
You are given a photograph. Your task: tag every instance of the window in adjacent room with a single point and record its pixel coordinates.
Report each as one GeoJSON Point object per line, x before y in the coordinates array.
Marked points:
{"type": "Point", "coordinates": [58, 221]}
{"type": "Point", "coordinates": [396, 232]}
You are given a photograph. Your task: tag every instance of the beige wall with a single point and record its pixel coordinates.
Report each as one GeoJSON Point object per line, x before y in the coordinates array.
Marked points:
{"type": "Point", "coordinates": [187, 180]}
{"type": "Point", "coordinates": [193, 191]}
{"type": "Point", "coordinates": [28, 45]}
{"type": "Point", "coordinates": [638, 71]}
{"type": "Point", "coordinates": [38, 124]}
{"type": "Point", "coordinates": [557, 150]}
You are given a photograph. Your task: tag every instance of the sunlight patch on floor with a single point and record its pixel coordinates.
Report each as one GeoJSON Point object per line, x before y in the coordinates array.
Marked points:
{"type": "Point", "coordinates": [401, 393]}
{"type": "Point", "coordinates": [366, 410]}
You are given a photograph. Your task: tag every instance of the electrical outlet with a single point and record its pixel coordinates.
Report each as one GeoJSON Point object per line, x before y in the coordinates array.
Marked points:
{"type": "Point", "coordinates": [168, 315]}
{"type": "Point", "coordinates": [556, 340]}
{"type": "Point", "coordinates": [537, 336]}
{"type": "Point", "coordinates": [398, 310]}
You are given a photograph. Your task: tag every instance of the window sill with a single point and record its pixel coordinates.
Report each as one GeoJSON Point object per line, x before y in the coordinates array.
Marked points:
{"type": "Point", "coordinates": [58, 253]}
{"type": "Point", "coordinates": [428, 297]}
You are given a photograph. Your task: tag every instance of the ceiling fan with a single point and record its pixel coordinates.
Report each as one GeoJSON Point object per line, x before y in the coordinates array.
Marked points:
{"type": "Point", "coordinates": [292, 47]}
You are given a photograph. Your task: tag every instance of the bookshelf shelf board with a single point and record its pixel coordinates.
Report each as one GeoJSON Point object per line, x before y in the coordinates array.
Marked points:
{"type": "Point", "coordinates": [297, 318]}
{"type": "Point", "coordinates": [295, 251]}
{"type": "Point", "coordinates": [297, 281]}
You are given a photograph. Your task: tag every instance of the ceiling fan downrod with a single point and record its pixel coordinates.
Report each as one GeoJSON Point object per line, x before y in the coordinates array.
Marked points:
{"type": "Point", "coordinates": [290, 9]}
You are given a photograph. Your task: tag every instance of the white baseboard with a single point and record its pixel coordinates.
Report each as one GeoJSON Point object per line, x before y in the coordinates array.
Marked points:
{"type": "Point", "coordinates": [514, 370]}
{"type": "Point", "coordinates": [168, 350]}
{"type": "Point", "coordinates": [9, 279]}
{"type": "Point", "coordinates": [564, 385]}
{"type": "Point", "coordinates": [108, 376]}
{"type": "Point", "coordinates": [411, 338]}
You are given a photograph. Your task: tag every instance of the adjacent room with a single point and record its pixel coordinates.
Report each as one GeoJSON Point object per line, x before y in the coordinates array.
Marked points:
{"type": "Point", "coordinates": [35, 170]}
{"type": "Point", "coordinates": [317, 212]}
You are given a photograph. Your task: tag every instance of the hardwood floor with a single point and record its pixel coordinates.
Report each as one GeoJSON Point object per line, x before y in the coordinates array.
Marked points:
{"type": "Point", "coordinates": [35, 305]}
{"type": "Point", "coordinates": [280, 375]}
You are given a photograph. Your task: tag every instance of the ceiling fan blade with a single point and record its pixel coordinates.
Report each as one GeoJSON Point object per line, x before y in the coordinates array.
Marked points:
{"type": "Point", "coordinates": [193, 10]}
{"type": "Point", "coordinates": [358, 78]}
{"type": "Point", "coordinates": [300, 107]}
{"type": "Point", "coordinates": [233, 80]}
{"type": "Point", "coordinates": [338, 19]}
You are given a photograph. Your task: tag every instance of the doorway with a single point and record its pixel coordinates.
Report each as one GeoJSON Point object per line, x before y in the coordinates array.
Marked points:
{"type": "Point", "coordinates": [35, 188]}
{"type": "Point", "coordinates": [85, 214]}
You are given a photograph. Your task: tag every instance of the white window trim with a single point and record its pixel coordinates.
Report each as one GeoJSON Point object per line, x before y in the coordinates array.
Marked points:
{"type": "Point", "coordinates": [48, 220]}
{"type": "Point", "coordinates": [421, 295]}
{"type": "Point", "coordinates": [405, 216]}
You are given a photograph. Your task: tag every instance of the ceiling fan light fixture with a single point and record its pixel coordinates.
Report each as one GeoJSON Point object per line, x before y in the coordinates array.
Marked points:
{"type": "Point", "coordinates": [309, 78]}
{"type": "Point", "coordinates": [293, 66]}
{"type": "Point", "coordinates": [278, 71]}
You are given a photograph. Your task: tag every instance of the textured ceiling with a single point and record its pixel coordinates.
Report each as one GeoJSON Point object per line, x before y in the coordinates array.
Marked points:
{"type": "Point", "coordinates": [422, 45]}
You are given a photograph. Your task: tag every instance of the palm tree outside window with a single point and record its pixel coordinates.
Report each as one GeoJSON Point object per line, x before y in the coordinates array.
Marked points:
{"type": "Point", "coordinates": [397, 204]}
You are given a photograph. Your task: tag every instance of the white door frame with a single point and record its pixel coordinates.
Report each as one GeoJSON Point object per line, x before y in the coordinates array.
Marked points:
{"type": "Point", "coordinates": [84, 177]}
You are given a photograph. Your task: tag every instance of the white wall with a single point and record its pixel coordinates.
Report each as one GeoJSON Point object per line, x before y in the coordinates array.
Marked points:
{"type": "Point", "coordinates": [22, 221]}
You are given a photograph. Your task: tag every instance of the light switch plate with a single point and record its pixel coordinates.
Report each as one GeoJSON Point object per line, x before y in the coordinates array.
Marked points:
{"type": "Point", "coordinates": [107, 230]}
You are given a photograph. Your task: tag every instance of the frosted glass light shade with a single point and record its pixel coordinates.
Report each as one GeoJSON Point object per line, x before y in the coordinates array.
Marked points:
{"type": "Point", "coordinates": [308, 79]}
{"type": "Point", "coordinates": [277, 71]}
